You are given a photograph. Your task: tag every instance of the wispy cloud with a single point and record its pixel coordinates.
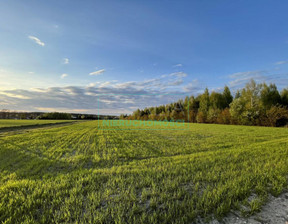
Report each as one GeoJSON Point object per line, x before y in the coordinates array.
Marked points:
{"type": "Point", "coordinates": [64, 76]}
{"type": "Point", "coordinates": [99, 72]}
{"type": "Point", "coordinates": [175, 74]}
{"type": "Point", "coordinates": [178, 65]}
{"type": "Point", "coordinates": [65, 61]}
{"type": "Point", "coordinates": [281, 62]}
{"type": "Point", "coordinates": [37, 40]}
{"type": "Point", "coordinates": [192, 87]}
{"type": "Point", "coordinates": [13, 95]}
{"type": "Point", "coordinates": [239, 79]}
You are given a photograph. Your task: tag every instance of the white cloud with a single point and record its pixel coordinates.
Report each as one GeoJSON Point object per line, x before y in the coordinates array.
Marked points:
{"type": "Point", "coordinates": [99, 72]}
{"type": "Point", "coordinates": [109, 96]}
{"type": "Point", "coordinates": [175, 83]}
{"type": "Point", "coordinates": [193, 87]}
{"type": "Point", "coordinates": [11, 94]}
{"type": "Point", "coordinates": [65, 61]}
{"type": "Point", "coordinates": [178, 65]}
{"type": "Point", "coordinates": [37, 40]}
{"type": "Point", "coordinates": [179, 74]}
{"type": "Point", "coordinates": [281, 62]}
{"type": "Point", "coordinates": [39, 90]}
{"type": "Point", "coordinates": [175, 74]}
{"type": "Point", "coordinates": [64, 75]}
{"type": "Point", "coordinates": [239, 79]}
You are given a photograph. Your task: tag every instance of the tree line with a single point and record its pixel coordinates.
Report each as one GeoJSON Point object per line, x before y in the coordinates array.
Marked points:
{"type": "Point", "coordinates": [255, 104]}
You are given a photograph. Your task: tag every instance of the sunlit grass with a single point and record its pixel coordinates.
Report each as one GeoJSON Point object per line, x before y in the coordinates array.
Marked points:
{"type": "Point", "coordinates": [82, 174]}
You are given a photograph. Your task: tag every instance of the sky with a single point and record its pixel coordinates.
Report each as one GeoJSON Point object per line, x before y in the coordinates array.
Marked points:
{"type": "Point", "coordinates": [115, 56]}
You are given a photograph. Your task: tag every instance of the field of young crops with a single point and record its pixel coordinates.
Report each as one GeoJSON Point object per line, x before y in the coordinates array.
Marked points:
{"type": "Point", "coordinates": [16, 123]}
{"type": "Point", "coordinates": [84, 173]}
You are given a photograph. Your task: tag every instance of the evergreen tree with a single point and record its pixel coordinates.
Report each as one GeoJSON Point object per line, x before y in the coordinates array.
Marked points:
{"type": "Point", "coordinates": [228, 98]}
{"type": "Point", "coordinates": [284, 97]}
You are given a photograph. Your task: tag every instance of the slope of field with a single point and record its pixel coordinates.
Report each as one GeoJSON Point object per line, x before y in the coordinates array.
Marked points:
{"type": "Point", "coordinates": [82, 174]}
{"type": "Point", "coordinates": [17, 123]}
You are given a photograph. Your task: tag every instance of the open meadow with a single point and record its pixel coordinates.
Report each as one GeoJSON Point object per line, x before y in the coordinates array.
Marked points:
{"type": "Point", "coordinates": [88, 173]}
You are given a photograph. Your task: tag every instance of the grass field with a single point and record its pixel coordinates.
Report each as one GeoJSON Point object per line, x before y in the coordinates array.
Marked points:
{"type": "Point", "coordinates": [82, 174]}
{"type": "Point", "coordinates": [16, 123]}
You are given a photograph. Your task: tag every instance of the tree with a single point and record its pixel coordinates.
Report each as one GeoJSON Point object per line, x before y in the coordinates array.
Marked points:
{"type": "Point", "coordinates": [55, 116]}
{"type": "Point", "coordinates": [228, 98]}
{"type": "Point", "coordinates": [237, 95]}
{"type": "Point", "coordinates": [217, 101]}
{"type": "Point", "coordinates": [269, 96]}
{"type": "Point", "coordinates": [246, 108]}
{"type": "Point", "coordinates": [284, 97]}
{"type": "Point", "coordinates": [201, 118]}
{"type": "Point", "coordinates": [174, 115]}
{"type": "Point", "coordinates": [136, 114]}
{"type": "Point", "coordinates": [213, 115]}
{"type": "Point", "coordinates": [277, 116]}
{"type": "Point", "coordinates": [204, 105]}
{"type": "Point", "coordinates": [237, 109]}
{"type": "Point", "coordinates": [224, 117]}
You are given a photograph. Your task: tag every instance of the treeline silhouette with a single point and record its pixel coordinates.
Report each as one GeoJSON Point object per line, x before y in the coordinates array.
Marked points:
{"type": "Point", "coordinates": [255, 104]}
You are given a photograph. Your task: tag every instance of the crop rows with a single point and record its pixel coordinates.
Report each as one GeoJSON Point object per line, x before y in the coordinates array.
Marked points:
{"type": "Point", "coordinates": [16, 123]}
{"type": "Point", "coordinates": [85, 174]}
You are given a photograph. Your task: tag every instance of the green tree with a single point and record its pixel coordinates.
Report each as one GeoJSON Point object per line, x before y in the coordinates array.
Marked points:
{"type": "Point", "coordinates": [284, 97]}
{"type": "Point", "coordinates": [228, 98]}
{"type": "Point", "coordinates": [204, 105]}
{"type": "Point", "coordinates": [217, 101]}
{"type": "Point", "coordinates": [269, 96]}
{"type": "Point", "coordinates": [247, 107]}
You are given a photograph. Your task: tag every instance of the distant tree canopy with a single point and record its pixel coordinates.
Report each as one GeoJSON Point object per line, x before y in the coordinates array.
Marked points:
{"type": "Point", "coordinates": [55, 116]}
{"type": "Point", "coordinates": [255, 104]}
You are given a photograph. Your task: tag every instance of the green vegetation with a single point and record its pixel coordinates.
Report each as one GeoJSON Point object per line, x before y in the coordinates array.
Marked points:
{"type": "Point", "coordinates": [256, 104]}
{"type": "Point", "coordinates": [55, 116]}
{"type": "Point", "coordinates": [82, 174]}
{"type": "Point", "coordinates": [15, 123]}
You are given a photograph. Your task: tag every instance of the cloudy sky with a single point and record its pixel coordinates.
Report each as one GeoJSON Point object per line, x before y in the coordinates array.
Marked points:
{"type": "Point", "coordinates": [115, 56]}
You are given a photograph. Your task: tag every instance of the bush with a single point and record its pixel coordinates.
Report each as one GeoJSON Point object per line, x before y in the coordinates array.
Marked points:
{"type": "Point", "coordinates": [277, 116]}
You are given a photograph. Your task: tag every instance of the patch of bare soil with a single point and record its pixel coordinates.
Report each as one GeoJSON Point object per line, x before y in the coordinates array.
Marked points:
{"type": "Point", "coordinates": [275, 211]}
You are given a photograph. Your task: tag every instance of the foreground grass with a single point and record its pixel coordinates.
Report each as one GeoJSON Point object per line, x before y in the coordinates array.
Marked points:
{"type": "Point", "coordinates": [6, 123]}
{"type": "Point", "coordinates": [82, 174]}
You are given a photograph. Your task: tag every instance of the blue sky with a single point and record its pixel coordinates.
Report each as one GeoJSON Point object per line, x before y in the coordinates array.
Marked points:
{"type": "Point", "coordinates": [54, 52]}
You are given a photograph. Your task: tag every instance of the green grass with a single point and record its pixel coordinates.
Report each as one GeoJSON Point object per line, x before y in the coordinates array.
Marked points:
{"type": "Point", "coordinates": [80, 174]}
{"type": "Point", "coordinates": [16, 123]}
